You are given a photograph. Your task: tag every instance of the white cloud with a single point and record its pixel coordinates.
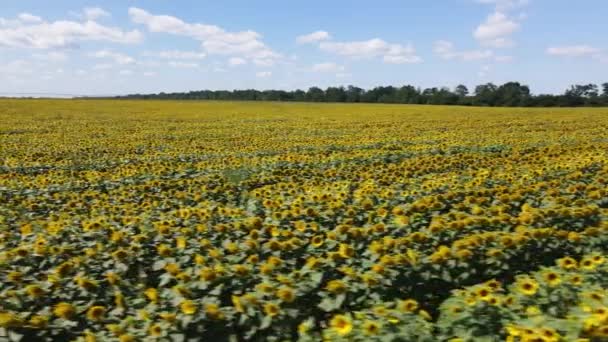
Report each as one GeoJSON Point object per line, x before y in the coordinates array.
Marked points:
{"type": "Point", "coordinates": [327, 67]}
{"type": "Point", "coordinates": [118, 58]}
{"type": "Point", "coordinates": [94, 13]}
{"type": "Point", "coordinates": [177, 54]}
{"type": "Point", "coordinates": [185, 65]}
{"type": "Point", "coordinates": [264, 62]}
{"type": "Point", "coordinates": [390, 53]}
{"type": "Point", "coordinates": [314, 37]}
{"type": "Point", "coordinates": [234, 61]}
{"type": "Point", "coordinates": [53, 56]}
{"type": "Point", "coordinates": [262, 74]}
{"type": "Point", "coordinates": [125, 72]}
{"type": "Point", "coordinates": [29, 18]}
{"type": "Point", "coordinates": [214, 40]}
{"type": "Point", "coordinates": [29, 32]}
{"type": "Point", "coordinates": [573, 51]}
{"type": "Point", "coordinates": [150, 73]}
{"type": "Point", "coordinates": [496, 31]}
{"type": "Point", "coordinates": [446, 50]}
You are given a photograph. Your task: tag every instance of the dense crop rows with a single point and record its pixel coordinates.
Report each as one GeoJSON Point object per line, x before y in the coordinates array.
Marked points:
{"type": "Point", "coordinates": [139, 220]}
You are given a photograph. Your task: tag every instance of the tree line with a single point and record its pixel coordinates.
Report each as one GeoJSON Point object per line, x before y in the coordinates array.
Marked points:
{"type": "Point", "coordinates": [510, 94]}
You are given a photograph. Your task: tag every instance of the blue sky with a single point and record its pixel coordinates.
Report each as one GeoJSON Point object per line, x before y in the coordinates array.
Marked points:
{"type": "Point", "coordinates": [121, 46]}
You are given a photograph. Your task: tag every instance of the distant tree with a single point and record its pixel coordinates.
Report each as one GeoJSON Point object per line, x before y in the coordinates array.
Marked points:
{"type": "Point", "coordinates": [335, 94]}
{"type": "Point", "coordinates": [489, 94]}
{"type": "Point", "coordinates": [353, 94]}
{"type": "Point", "coordinates": [407, 94]}
{"type": "Point", "coordinates": [544, 100]}
{"type": "Point", "coordinates": [512, 94]}
{"type": "Point", "coordinates": [315, 94]}
{"type": "Point", "coordinates": [299, 95]}
{"type": "Point", "coordinates": [485, 94]}
{"type": "Point", "coordinates": [461, 90]}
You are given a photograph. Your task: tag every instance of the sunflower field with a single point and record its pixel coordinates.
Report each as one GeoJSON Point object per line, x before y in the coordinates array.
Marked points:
{"type": "Point", "coordinates": [231, 221]}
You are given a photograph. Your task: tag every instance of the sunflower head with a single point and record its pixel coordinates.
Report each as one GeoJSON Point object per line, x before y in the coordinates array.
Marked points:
{"type": "Point", "coordinates": [96, 312]}
{"type": "Point", "coordinates": [341, 324]}
{"type": "Point", "coordinates": [64, 310]}
{"type": "Point", "coordinates": [371, 328]}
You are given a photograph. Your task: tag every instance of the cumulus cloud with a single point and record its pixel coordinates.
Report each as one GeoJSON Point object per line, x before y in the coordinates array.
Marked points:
{"type": "Point", "coordinates": [117, 57]}
{"type": "Point", "coordinates": [496, 31]}
{"type": "Point", "coordinates": [213, 39]}
{"type": "Point", "coordinates": [327, 67]}
{"type": "Point", "coordinates": [446, 50]}
{"type": "Point", "coordinates": [29, 31]}
{"type": "Point", "coordinates": [29, 18]}
{"type": "Point", "coordinates": [177, 54]}
{"type": "Point", "coordinates": [314, 37]}
{"type": "Point", "coordinates": [186, 65]}
{"type": "Point", "coordinates": [390, 53]}
{"type": "Point", "coordinates": [573, 51]}
{"type": "Point", "coordinates": [234, 61]}
{"type": "Point", "coordinates": [94, 13]}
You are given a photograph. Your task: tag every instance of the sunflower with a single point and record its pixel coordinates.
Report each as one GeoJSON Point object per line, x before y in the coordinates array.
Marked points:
{"type": "Point", "coordinates": [598, 259]}
{"type": "Point", "coordinates": [588, 264]}
{"type": "Point", "coordinates": [341, 324]}
{"type": "Point", "coordinates": [64, 310]}
{"type": "Point", "coordinates": [188, 307]}
{"type": "Point", "coordinates": [527, 286]}
{"type": "Point", "coordinates": [213, 311]}
{"type": "Point", "coordinates": [15, 277]}
{"type": "Point", "coordinates": [271, 309]}
{"type": "Point", "coordinates": [167, 316]}
{"type": "Point", "coordinates": [34, 291]}
{"type": "Point", "coordinates": [371, 328]}
{"type": "Point", "coordinates": [408, 305]}
{"type": "Point", "coordinates": [152, 294]}
{"type": "Point", "coordinates": [552, 278]}
{"type": "Point", "coordinates": [483, 292]}
{"type": "Point", "coordinates": [346, 251]}
{"type": "Point", "coordinates": [317, 241]}
{"type": "Point", "coordinates": [567, 263]}
{"type": "Point", "coordinates": [95, 313]}
{"type": "Point", "coordinates": [305, 327]}
{"type": "Point", "coordinates": [9, 320]}
{"type": "Point", "coordinates": [336, 286]}
{"type": "Point", "coordinates": [164, 250]}
{"type": "Point", "coordinates": [112, 278]}
{"type": "Point", "coordinates": [86, 284]}
{"type": "Point", "coordinates": [576, 279]}
{"type": "Point", "coordinates": [286, 294]}
{"type": "Point", "coordinates": [155, 330]}
{"type": "Point", "coordinates": [126, 338]}
{"type": "Point", "coordinates": [38, 322]}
